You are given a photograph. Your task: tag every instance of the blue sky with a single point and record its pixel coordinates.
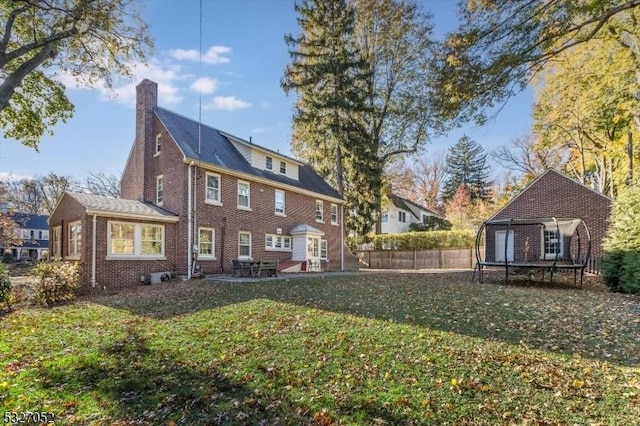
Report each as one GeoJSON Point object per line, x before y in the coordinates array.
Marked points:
{"type": "Point", "coordinates": [238, 82]}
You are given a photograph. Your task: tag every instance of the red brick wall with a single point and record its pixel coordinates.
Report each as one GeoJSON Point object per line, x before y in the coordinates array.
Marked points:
{"type": "Point", "coordinates": [555, 195]}
{"type": "Point", "coordinates": [138, 170]}
{"type": "Point", "coordinates": [228, 221]}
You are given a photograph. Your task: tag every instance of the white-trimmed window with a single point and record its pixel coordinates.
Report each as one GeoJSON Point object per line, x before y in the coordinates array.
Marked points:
{"type": "Point", "coordinates": [323, 249]}
{"type": "Point", "coordinates": [56, 242]}
{"type": "Point", "coordinates": [334, 214]}
{"type": "Point", "coordinates": [283, 167]}
{"type": "Point", "coordinates": [313, 247]}
{"type": "Point", "coordinates": [552, 243]}
{"type": "Point", "coordinates": [319, 211]}
{"type": "Point", "coordinates": [402, 217]}
{"type": "Point", "coordinates": [75, 239]}
{"type": "Point", "coordinates": [277, 242]}
{"type": "Point", "coordinates": [152, 240]}
{"type": "Point", "coordinates": [244, 197]}
{"type": "Point", "coordinates": [279, 202]}
{"type": "Point", "coordinates": [159, 190]}
{"type": "Point", "coordinates": [384, 217]}
{"type": "Point", "coordinates": [213, 189]}
{"type": "Point", "coordinates": [123, 240]}
{"type": "Point", "coordinates": [206, 243]}
{"type": "Point", "coordinates": [244, 245]}
{"type": "Point", "coordinates": [269, 163]}
{"type": "Point", "coordinates": [127, 239]}
{"type": "Point", "coordinates": [158, 144]}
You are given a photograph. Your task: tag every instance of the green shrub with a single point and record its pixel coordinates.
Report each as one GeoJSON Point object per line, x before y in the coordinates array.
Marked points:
{"type": "Point", "coordinates": [431, 223]}
{"type": "Point", "coordinates": [621, 261]}
{"type": "Point", "coordinates": [57, 282]}
{"type": "Point", "coordinates": [428, 240]}
{"type": "Point", "coordinates": [611, 266]}
{"type": "Point", "coordinates": [5, 287]}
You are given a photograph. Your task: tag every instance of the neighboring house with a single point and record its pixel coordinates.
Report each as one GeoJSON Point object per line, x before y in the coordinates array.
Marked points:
{"type": "Point", "coordinates": [401, 213]}
{"type": "Point", "coordinates": [552, 194]}
{"type": "Point", "coordinates": [193, 199]}
{"type": "Point", "coordinates": [33, 230]}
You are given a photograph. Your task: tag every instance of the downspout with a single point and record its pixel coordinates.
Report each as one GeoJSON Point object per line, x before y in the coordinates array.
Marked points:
{"type": "Point", "coordinates": [93, 251]}
{"type": "Point", "coordinates": [342, 237]}
{"type": "Point", "coordinates": [189, 221]}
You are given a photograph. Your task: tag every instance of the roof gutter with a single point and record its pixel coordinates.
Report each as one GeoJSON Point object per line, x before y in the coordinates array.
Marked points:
{"type": "Point", "coordinates": [109, 213]}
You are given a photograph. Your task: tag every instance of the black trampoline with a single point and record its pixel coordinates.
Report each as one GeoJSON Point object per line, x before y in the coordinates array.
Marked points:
{"type": "Point", "coordinates": [547, 244]}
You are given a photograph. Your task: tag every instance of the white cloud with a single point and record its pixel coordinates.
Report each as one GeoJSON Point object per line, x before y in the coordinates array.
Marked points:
{"type": "Point", "coordinates": [8, 176]}
{"type": "Point", "coordinates": [123, 91]}
{"type": "Point", "coordinates": [205, 85]}
{"type": "Point", "coordinates": [227, 103]}
{"type": "Point", "coordinates": [215, 55]}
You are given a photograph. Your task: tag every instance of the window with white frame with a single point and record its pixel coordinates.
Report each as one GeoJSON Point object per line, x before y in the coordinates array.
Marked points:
{"type": "Point", "coordinates": [244, 191]}
{"type": "Point", "coordinates": [283, 167]}
{"type": "Point", "coordinates": [244, 245]}
{"type": "Point", "coordinates": [313, 247]}
{"type": "Point", "coordinates": [319, 211]}
{"type": "Point", "coordinates": [323, 249]}
{"type": "Point", "coordinates": [206, 243]}
{"type": "Point", "coordinates": [159, 190]}
{"type": "Point", "coordinates": [384, 216]}
{"type": "Point", "coordinates": [44, 235]}
{"type": "Point", "coordinates": [56, 243]}
{"type": "Point", "coordinates": [402, 217]}
{"type": "Point", "coordinates": [213, 189]}
{"type": "Point", "coordinates": [279, 202]}
{"type": "Point", "coordinates": [269, 163]}
{"type": "Point", "coordinates": [277, 242]}
{"type": "Point", "coordinates": [128, 239]}
{"type": "Point", "coordinates": [123, 239]}
{"type": "Point", "coordinates": [552, 243]}
{"type": "Point", "coordinates": [75, 239]}
{"type": "Point", "coordinates": [158, 143]}
{"type": "Point", "coordinates": [152, 240]}
{"type": "Point", "coordinates": [334, 214]}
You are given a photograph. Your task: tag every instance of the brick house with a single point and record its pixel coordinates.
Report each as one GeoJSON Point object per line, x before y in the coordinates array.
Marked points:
{"type": "Point", "coordinates": [193, 199]}
{"type": "Point", "coordinates": [552, 194]}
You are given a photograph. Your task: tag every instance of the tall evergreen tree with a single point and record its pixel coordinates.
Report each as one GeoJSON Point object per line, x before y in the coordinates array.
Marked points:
{"type": "Point", "coordinates": [466, 165]}
{"type": "Point", "coordinates": [329, 76]}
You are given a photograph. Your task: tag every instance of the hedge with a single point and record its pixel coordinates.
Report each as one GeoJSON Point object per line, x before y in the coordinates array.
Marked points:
{"type": "Point", "coordinates": [428, 240]}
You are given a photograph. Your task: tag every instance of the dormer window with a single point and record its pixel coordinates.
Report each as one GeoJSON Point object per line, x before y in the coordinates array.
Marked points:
{"type": "Point", "coordinates": [158, 144]}
{"type": "Point", "coordinates": [269, 163]}
{"type": "Point", "coordinates": [283, 167]}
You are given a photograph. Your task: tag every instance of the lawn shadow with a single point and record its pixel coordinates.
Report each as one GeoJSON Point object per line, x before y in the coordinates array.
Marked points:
{"type": "Point", "coordinates": [559, 317]}
{"type": "Point", "coordinates": [134, 383]}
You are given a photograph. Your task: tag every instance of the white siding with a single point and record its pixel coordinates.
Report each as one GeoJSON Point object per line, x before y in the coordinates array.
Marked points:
{"type": "Point", "coordinates": [299, 244]}
{"type": "Point", "coordinates": [259, 161]}
{"type": "Point", "coordinates": [244, 150]}
{"type": "Point", "coordinates": [393, 224]}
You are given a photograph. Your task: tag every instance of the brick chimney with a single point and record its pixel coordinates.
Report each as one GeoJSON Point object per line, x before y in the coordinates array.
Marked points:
{"type": "Point", "coordinates": [137, 179]}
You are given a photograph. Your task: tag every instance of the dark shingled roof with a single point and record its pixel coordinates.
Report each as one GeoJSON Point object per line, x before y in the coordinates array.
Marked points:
{"type": "Point", "coordinates": [32, 221]}
{"type": "Point", "coordinates": [403, 203]}
{"type": "Point", "coordinates": [217, 150]}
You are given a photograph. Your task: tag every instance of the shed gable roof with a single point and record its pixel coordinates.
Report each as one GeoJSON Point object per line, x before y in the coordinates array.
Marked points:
{"type": "Point", "coordinates": [213, 147]}
{"type": "Point", "coordinates": [545, 183]}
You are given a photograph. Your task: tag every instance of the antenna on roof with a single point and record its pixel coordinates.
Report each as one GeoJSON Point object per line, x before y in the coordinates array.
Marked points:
{"type": "Point", "coordinates": [200, 92]}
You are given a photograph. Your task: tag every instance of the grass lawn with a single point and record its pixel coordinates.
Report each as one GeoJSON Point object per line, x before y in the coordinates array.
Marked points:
{"type": "Point", "coordinates": [366, 349]}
